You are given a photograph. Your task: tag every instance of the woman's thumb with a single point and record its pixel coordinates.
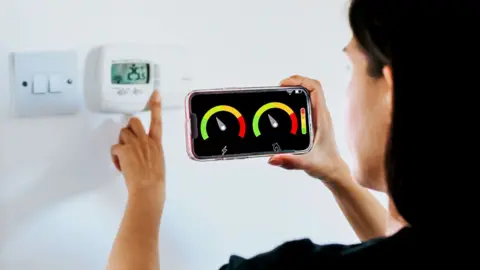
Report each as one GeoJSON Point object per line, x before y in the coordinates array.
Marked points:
{"type": "Point", "coordinates": [288, 162]}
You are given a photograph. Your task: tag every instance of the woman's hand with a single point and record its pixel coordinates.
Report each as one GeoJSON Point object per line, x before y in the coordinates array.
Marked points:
{"type": "Point", "coordinates": [366, 215]}
{"type": "Point", "coordinates": [139, 156]}
{"type": "Point", "coordinates": [323, 161]}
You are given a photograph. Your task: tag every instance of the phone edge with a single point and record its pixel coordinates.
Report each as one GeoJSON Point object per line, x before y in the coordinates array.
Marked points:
{"type": "Point", "coordinates": [188, 133]}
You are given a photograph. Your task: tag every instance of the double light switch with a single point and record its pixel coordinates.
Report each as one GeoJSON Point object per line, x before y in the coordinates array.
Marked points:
{"type": "Point", "coordinates": [43, 84]}
{"type": "Point", "coordinates": [46, 83]}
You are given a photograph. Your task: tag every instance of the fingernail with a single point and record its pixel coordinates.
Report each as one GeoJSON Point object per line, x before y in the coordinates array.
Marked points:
{"type": "Point", "coordinates": [156, 96]}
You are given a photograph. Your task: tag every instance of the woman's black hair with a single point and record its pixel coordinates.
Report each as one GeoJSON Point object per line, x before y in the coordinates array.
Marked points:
{"type": "Point", "coordinates": [369, 23]}
{"type": "Point", "coordinates": [431, 46]}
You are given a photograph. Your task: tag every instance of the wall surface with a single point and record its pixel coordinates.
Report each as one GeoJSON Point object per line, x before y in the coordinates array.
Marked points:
{"type": "Point", "coordinates": [60, 198]}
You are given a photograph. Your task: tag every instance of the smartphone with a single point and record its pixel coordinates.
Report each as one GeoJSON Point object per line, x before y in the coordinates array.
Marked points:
{"type": "Point", "coordinates": [235, 123]}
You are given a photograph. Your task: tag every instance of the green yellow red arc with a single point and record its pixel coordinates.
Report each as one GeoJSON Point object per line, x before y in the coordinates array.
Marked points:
{"type": "Point", "coordinates": [274, 105]}
{"type": "Point", "coordinates": [222, 108]}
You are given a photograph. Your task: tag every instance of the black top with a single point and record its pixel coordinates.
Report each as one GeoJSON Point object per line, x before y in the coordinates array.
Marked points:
{"type": "Point", "coordinates": [403, 247]}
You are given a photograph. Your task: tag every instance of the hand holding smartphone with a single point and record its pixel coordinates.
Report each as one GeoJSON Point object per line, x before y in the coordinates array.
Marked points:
{"type": "Point", "coordinates": [239, 123]}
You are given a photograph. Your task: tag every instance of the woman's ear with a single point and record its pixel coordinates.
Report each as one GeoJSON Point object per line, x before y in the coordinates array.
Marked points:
{"type": "Point", "coordinates": [388, 75]}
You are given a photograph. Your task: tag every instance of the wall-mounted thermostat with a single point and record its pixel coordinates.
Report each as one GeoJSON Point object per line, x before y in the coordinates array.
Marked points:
{"type": "Point", "coordinates": [129, 73]}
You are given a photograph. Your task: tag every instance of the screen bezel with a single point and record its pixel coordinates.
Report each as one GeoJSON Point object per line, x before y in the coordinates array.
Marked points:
{"type": "Point", "coordinates": [188, 122]}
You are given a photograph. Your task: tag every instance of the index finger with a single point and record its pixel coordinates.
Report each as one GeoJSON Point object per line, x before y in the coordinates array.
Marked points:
{"type": "Point", "coordinates": [313, 86]}
{"type": "Point", "coordinates": [155, 106]}
{"type": "Point", "coordinates": [310, 84]}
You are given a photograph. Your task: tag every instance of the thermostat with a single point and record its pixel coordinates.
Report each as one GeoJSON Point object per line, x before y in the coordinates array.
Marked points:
{"type": "Point", "coordinates": [127, 76]}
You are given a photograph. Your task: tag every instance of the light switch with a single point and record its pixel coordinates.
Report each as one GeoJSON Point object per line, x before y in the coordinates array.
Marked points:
{"type": "Point", "coordinates": [56, 84]}
{"type": "Point", "coordinates": [46, 83]}
{"type": "Point", "coordinates": [40, 84]}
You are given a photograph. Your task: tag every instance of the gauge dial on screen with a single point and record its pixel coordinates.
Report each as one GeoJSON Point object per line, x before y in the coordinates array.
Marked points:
{"type": "Point", "coordinates": [273, 122]}
{"type": "Point", "coordinates": [221, 124]}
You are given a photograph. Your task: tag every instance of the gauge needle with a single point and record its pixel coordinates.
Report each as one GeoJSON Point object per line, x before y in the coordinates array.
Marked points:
{"type": "Point", "coordinates": [273, 122]}
{"type": "Point", "coordinates": [221, 125]}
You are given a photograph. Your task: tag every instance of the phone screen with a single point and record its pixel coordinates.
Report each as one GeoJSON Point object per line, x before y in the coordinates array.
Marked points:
{"type": "Point", "coordinates": [250, 122]}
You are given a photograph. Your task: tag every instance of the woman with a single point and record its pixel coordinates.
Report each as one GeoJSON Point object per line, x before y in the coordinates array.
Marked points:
{"type": "Point", "coordinates": [409, 65]}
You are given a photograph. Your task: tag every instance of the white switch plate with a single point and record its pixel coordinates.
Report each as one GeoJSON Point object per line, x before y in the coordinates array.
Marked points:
{"type": "Point", "coordinates": [63, 98]}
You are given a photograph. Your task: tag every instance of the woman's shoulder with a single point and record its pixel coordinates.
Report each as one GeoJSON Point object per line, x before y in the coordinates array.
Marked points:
{"type": "Point", "coordinates": [304, 254]}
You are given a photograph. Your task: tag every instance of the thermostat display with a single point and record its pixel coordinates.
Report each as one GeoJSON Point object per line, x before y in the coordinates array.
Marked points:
{"type": "Point", "coordinates": [130, 73]}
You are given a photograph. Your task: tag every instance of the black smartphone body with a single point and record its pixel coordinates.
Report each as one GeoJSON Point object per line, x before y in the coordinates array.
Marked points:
{"type": "Point", "coordinates": [234, 123]}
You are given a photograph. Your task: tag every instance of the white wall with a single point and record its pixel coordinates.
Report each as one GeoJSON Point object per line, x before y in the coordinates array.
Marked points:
{"type": "Point", "coordinates": [60, 199]}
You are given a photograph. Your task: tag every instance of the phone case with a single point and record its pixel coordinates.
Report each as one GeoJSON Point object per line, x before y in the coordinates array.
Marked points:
{"type": "Point", "coordinates": [188, 133]}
